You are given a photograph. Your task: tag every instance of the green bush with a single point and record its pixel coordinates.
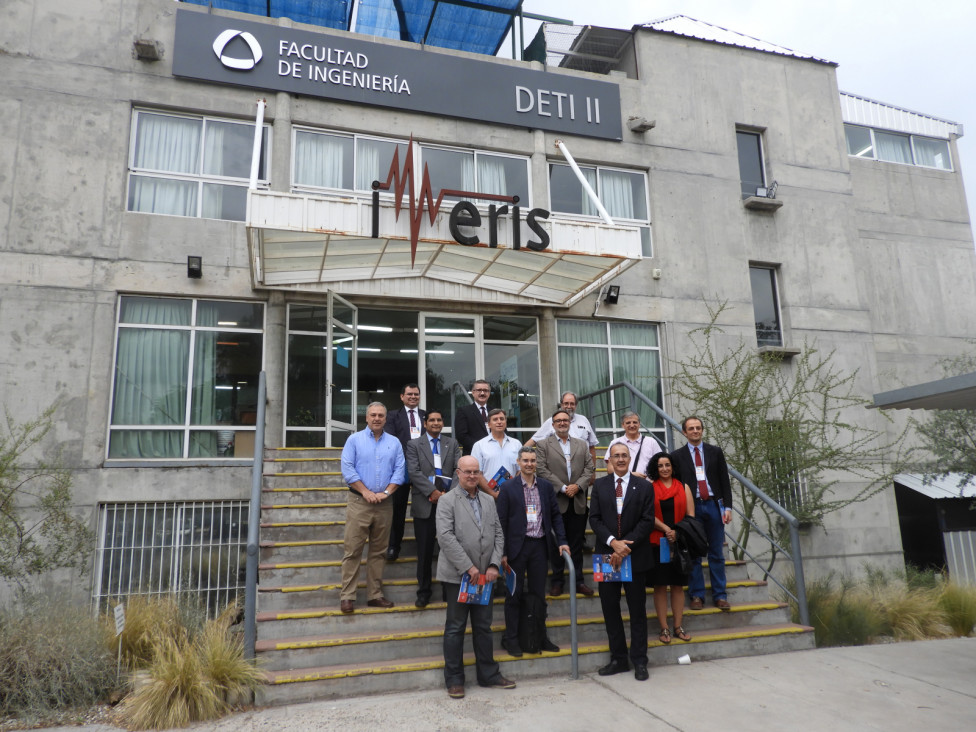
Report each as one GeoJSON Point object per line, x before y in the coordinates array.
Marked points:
{"type": "Point", "coordinates": [53, 656]}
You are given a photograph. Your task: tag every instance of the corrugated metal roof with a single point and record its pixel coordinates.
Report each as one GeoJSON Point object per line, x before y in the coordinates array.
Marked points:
{"type": "Point", "coordinates": [858, 110]}
{"type": "Point", "coordinates": [954, 392]}
{"type": "Point", "coordinates": [954, 485]}
{"type": "Point", "coordinates": [682, 25]}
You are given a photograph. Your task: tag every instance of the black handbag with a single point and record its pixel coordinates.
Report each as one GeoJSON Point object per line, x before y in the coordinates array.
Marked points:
{"type": "Point", "coordinates": [691, 536]}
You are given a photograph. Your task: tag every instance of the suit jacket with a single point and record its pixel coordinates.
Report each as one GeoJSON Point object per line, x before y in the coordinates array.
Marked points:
{"type": "Point", "coordinates": [511, 512]}
{"type": "Point", "coordinates": [398, 425]}
{"type": "Point", "coordinates": [716, 471]}
{"type": "Point", "coordinates": [552, 467]}
{"type": "Point", "coordinates": [469, 427]}
{"type": "Point", "coordinates": [636, 518]}
{"type": "Point", "coordinates": [420, 466]}
{"type": "Point", "coordinates": [463, 543]}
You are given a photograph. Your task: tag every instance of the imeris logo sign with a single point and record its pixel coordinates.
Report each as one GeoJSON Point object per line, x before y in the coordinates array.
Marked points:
{"type": "Point", "coordinates": [464, 212]}
{"type": "Point", "coordinates": [240, 64]}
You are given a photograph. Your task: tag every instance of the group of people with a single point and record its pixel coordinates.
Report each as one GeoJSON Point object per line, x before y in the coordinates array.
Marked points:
{"type": "Point", "coordinates": [495, 507]}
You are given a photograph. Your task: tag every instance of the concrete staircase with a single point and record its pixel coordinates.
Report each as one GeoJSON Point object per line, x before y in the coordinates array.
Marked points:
{"type": "Point", "coordinates": [310, 650]}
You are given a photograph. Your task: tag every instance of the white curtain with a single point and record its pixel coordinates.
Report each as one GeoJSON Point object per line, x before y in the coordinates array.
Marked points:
{"type": "Point", "coordinates": [617, 194]}
{"type": "Point", "coordinates": [320, 159]}
{"type": "Point", "coordinates": [491, 176]}
{"type": "Point", "coordinates": [170, 144]}
{"type": "Point", "coordinates": [893, 148]}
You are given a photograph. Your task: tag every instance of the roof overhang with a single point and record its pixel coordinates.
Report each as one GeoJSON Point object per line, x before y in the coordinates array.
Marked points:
{"type": "Point", "coordinates": [953, 485]}
{"type": "Point", "coordinates": [315, 243]}
{"type": "Point", "coordinates": [955, 392]}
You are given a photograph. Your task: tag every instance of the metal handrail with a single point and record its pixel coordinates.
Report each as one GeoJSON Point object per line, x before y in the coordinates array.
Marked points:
{"type": "Point", "coordinates": [254, 525]}
{"type": "Point", "coordinates": [458, 387]}
{"type": "Point", "coordinates": [795, 555]}
{"type": "Point", "coordinates": [573, 629]}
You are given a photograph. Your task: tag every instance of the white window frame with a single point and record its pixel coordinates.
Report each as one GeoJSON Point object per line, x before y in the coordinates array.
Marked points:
{"type": "Point", "coordinates": [912, 138]}
{"type": "Point", "coordinates": [186, 427]}
{"type": "Point", "coordinates": [645, 223]}
{"type": "Point", "coordinates": [199, 178]}
{"type": "Point", "coordinates": [773, 271]}
{"type": "Point", "coordinates": [760, 138]}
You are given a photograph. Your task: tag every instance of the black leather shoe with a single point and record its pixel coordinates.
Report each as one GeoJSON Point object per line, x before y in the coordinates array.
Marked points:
{"type": "Point", "coordinates": [422, 601]}
{"type": "Point", "coordinates": [549, 647]}
{"type": "Point", "coordinates": [640, 672]}
{"type": "Point", "coordinates": [557, 589]}
{"type": "Point", "coordinates": [392, 554]}
{"type": "Point", "coordinates": [614, 667]}
{"type": "Point", "coordinates": [513, 649]}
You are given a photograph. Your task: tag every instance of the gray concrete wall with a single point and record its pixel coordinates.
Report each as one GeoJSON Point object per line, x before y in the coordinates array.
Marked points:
{"type": "Point", "coordinates": [876, 259]}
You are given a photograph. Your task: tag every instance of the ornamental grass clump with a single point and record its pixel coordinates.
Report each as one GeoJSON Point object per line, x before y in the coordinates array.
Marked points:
{"type": "Point", "coordinates": [959, 605]}
{"type": "Point", "coordinates": [193, 674]}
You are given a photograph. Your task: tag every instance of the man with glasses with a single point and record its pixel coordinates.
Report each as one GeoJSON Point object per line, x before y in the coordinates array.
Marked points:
{"type": "Point", "coordinates": [472, 543]}
{"type": "Point", "coordinates": [641, 447]}
{"type": "Point", "coordinates": [405, 424]}
{"type": "Point", "coordinates": [702, 467]}
{"type": "Point", "coordinates": [579, 426]}
{"type": "Point", "coordinates": [471, 420]}
{"type": "Point", "coordinates": [566, 463]}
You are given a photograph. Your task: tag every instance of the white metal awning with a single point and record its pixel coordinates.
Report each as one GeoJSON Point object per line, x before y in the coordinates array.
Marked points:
{"type": "Point", "coordinates": [954, 485]}
{"type": "Point", "coordinates": [314, 243]}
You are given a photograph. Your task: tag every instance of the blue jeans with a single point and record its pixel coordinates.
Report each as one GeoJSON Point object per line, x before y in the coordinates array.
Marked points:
{"type": "Point", "coordinates": [711, 516]}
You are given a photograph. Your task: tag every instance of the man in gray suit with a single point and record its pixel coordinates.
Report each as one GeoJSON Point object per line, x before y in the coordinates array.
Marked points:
{"type": "Point", "coordinates": [472, 543]}
{"type": "Point", "coordinates": [431, 461]}
{"type": "Point", "coordinates": [566, 462]}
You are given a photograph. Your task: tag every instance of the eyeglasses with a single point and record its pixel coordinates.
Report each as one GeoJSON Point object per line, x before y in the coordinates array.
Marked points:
{"type": "Point", "coordinates": [560, 421]}
{"type": "Point", "coordinates": [481, 390]}
{"type": "Point", "coordinates": [470, 472]}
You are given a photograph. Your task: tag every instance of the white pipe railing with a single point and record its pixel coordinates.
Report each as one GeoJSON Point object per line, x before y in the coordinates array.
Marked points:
{"type": "Point", "coordinates": [561, 146]}
{"type": "Point", "coordinates": [256, 149]}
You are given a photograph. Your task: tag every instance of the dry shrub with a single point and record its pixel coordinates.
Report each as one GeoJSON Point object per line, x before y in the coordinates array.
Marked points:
{"type": "Point", "coordinates": [912, 614]}
{"type": "Point", "coordinates": [193, 676]}
{"type": "Point", "coordinates": [959, 605]}
{"type": "Point", "coordinates": [147, 616]}
{"type": "Point", "coordinates": [53, 656]}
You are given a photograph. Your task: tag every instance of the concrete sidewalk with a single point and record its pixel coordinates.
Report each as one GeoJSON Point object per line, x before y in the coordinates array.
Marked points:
{"type": "Point", "coordinates": [926, 685]}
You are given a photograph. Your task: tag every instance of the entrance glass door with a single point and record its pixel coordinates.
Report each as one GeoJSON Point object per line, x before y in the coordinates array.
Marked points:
{"type": "Point", "coordinates": [341, 395]}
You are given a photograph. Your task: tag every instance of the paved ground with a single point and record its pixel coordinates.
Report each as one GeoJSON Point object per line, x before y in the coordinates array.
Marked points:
{"type": "Point", "coordinates": [922, 687]}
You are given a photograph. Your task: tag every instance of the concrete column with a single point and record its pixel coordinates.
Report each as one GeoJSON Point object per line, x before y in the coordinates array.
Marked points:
{"type": "Point", "coordinates": [548, 360]}
{"type": "Point", "coordinates": [281, 146]}
{"type": "Point", "coordinates": [274, 366]}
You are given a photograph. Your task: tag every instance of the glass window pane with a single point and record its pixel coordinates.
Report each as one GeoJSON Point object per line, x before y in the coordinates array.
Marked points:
{"type": "Point", "coordinates": [566, 193]}
{"type": "Point", "coordinates": [504, 176]}
{"type": "Point", "coordinates": [446, 363]}
{"type": "Point", "coordinates": [449, 169]}
{"type": "Point", "coordinates": [373, 161]}
{"type": "Point", "coordinates": [765, 306]}
{"type": "Point", "coordinates": [643, 370]}
{"type": "Point", "coordinates": [167, 143]}
{"type": "Point", "coordinates": [313, 318]}
{"type": "Point", "coordinates": [932, 153]}
{"type": "Point", "coordinates": [646, 248]}
{"type": "Point", "coordinates": [155, 311]}
{"type": "Point", "coordinates": [307, 380]}
{"type": "Point", "coordinates": [225, 377]}
{"type": "Point", "coordinates": [224, 202]}
{"type": "Point", "coordinates": [150, 377]}
{"type": "Point", "coordinates": [582, 370]}
{"type": "Point", "coordinates": [230, 314]}
{"type": "Point", "coordinates": [623, 195]}
{"type": "Point", "coordinates": [227, 149]}
{"type": "Point", "coordinates": [581, 331]}
{"type": "Point", "coordinates": [893, 148]}
{"type": "Point", "coordinates": [515, 369]}
{"type": "Point", "coordinates": [324, 161]}
{"type": "Point", "coordinates": [162, 196]}
{"type": "Point", "coordinates": [446, 325]}
{"type": "Point", "coordinates": [633, 334]}
{"type": "Point", "coordinates": [859, 141]}
{"type": "Point", "coordinates": [145, 444]}
{"type": "Point", "coordinates": [509, 328]}
{"type": "Point", "coordinates": [750, 162]}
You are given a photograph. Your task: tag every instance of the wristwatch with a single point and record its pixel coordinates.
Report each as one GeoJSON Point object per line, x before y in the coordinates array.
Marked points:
{"type": "Point", "coordinates": [386, 491]}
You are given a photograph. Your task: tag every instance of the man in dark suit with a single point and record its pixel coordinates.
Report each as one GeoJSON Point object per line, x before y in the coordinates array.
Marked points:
{"type": "Point", "coordinates": [431, 462]}
{"type": "Point", "coordinates": [405, 424]}
{"type": "Point", "coordinates": [471, 420]}
{"type": "Point", "coordinates": [567, 464]}
{"type": "Point", "coordinates": [702, 467]}
{"type": "Point", "coordinates": [529, 514]}
{"type": "Point", "coordinates": [622, 516]}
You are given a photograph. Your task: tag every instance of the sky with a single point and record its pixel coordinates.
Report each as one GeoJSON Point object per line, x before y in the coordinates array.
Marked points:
{"type": "Point", "coordinates": [918, 56]}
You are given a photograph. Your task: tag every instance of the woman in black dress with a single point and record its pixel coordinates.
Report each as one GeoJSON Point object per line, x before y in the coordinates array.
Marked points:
{"type": "Point", "coordinates": [672, 502]}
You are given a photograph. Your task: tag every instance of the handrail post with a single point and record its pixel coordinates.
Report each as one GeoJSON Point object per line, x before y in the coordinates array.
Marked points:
{"type": "Point", "coordinates": [254, 526]}
{"type": "Point", "coordinates": [801, 585]}
{"type": "Point", "coordinates": [573, 630]}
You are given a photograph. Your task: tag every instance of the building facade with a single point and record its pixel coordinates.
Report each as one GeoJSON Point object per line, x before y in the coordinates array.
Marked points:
{"type": "Point", "coordinates": [150, 274]}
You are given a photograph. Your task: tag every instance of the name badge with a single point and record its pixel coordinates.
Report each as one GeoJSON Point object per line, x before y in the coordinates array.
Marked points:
{"type": "Point", "coordinates": [620, 505]}
{"type": "Point", "coordinates": [700, 472]}
{"type": "Point", "coordinates": [531, 513]}
{"type": "Point", "coordinates": [437, 461]}
{"type": "Point", "coordinates": [414, 433]}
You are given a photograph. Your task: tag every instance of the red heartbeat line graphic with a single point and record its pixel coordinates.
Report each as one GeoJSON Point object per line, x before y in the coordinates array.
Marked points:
{"type": "Point", "coordinates": [399, 180]}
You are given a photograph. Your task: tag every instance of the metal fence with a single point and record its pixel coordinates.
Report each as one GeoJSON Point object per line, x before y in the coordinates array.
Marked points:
{"type": "Point", "coordinates": [155, 548]}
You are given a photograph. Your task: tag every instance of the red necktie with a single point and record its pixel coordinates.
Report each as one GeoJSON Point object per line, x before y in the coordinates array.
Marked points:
{"type": "Point", "coordinates": [620, 494]}
{"type": "Point", "coordinates": [702, 484]}
{"type": "Point", "coordinates": [412, 423]}
{"type": "Point", "coordinates": [484, 414]}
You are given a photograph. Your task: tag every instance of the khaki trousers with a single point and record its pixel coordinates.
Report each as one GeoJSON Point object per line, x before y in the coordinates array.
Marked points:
{"type": "Point", "coordinates": [365, 522]}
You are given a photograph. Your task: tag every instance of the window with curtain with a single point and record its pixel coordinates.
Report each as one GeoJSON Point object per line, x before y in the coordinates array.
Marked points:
{"type": "Point", "coordinates": [623, 194]}
{"type": "Point", "coordinates": [892, 147]}
{"type": "Point", "coordinates": [187, 165]}
{"type": "Point", "coordinates": [185, 382]}
{"type": "Point", "coordinates": [478, 172]}
{"type": "Point", "coordinates": [596, 354]}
